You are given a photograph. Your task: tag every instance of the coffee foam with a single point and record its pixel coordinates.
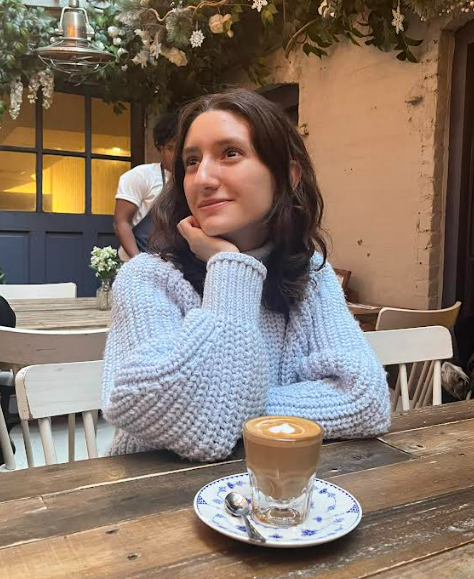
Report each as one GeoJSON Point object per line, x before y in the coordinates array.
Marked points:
{"type": "Point", "coordinates": [283, 428]}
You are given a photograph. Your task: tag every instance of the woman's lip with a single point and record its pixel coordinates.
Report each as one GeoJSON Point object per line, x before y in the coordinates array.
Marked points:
{"type": "Point", "coordinates": [215, 205]}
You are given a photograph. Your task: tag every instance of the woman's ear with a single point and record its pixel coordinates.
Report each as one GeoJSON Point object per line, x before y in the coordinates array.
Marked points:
{"type": "Point", "coordinates": [295, 174]}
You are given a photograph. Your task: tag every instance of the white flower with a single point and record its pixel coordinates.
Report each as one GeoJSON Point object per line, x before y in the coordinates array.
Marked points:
{"type": "Point", "coordinates": [327, 8]}
{"type": "Point", "coordinates": [143, 34]}
{"type": "Point", "coordinates": [112, 31]}
{"type": "Point", "coordinates": [124, 67]}
{"type": "Point", "coordinates": [46, 78]}
{"type": "Point", "coordinates": [141, 58]}
{"type": "Point", "coordinates": [100, 45]}
{"type": "Point", "coordinates": [117, 41]}
{"type": "Point", "coordinates": [197, 38]}
{"type": "Point", "coordinates": [216, 22]}
{"type": "Point", "coordinates": [177, 57]}
{"type": "Point", "coordinates": [398, 19]}
{"type": "Point", "coordinates": [33, 87]}
{"type": "Point", "coordinates": [16, 97]}
{"type": "Point", "coordinates": [104, 261]}
{"type": "Point", "coordinates": [155, 47]}
{"type": "Point", "coordinates": [121, 51]}
{"type": "Point", "coordinates": [259, 4]}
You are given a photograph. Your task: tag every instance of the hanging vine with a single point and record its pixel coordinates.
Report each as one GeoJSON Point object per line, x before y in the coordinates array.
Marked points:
{"type": "Point", "coordinates": [167, 52]}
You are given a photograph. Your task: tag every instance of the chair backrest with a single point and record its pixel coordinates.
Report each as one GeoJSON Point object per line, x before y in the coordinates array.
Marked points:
{"type": "Point", "coordinates": [38, 291]}
{"type": "Point", "coordinates": [343, 277]}
{"type": "Point", "coordinates": [27, 347]}
{"type": "Point", "coordinates": [49, 390]}
{"type": "Point", "coordinates": [421, 348]}
{"type": "Point", "coordinates": [395, 318]}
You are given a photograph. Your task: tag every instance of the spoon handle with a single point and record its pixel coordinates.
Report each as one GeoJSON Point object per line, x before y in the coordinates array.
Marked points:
{"type": "Point", "coordinates": [252, 531]}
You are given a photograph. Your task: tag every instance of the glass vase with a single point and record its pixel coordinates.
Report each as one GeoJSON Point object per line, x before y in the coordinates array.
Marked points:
{"type": "Point", "coordinates": [104, 295]}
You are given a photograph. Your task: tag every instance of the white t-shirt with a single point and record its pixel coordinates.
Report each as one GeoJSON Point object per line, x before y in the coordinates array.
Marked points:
{"type": "Point", "coordinates": [140, 186]}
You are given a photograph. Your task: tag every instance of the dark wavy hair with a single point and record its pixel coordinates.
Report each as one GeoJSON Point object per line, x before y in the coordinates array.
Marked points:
{"type": "Point", "coordinates": [294, 221]}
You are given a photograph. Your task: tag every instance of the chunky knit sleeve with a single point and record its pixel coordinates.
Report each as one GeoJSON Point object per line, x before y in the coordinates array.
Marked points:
{"type": "Point", "coordinates": [334, 377]}
{"type": "Point", "coordinates": [180, 375]}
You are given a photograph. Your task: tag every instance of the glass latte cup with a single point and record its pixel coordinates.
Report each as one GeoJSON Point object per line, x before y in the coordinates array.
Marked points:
{"type": "Point", "coordinates": [282, 454]}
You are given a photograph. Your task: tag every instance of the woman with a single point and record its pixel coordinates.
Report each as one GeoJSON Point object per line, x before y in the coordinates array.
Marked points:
{"type": "Point", "coordinates": [233, 313]}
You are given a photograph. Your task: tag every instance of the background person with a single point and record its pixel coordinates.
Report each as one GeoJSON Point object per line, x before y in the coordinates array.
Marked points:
{"type": "Point", "coordinates": [138, 189]}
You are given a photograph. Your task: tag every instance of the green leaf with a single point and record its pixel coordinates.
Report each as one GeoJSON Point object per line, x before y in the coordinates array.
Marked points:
{"type": "Point", "coordinates": [412, 41]}
{"type": "Point", "coordinates": [310, 49]}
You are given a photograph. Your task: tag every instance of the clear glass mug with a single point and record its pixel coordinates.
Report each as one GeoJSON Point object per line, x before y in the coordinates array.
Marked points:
{"type": "Point", "coordinates": [282, 454]}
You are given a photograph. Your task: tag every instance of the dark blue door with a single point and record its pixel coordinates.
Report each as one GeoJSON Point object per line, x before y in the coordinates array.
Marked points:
{"type": "Point", "coordinates": [45, 248]}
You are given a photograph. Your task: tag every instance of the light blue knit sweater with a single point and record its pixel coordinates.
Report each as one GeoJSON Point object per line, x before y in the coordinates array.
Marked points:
{"type": "Point", "coordinates": [183, 374]}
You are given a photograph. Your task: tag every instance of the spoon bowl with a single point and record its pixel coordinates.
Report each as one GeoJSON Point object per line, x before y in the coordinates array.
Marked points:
{"type": "Point", "coordinates": [237, 505]}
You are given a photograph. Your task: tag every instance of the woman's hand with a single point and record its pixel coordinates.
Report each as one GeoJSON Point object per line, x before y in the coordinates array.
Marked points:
{"type": "Point", "coordinates": [203, 246]}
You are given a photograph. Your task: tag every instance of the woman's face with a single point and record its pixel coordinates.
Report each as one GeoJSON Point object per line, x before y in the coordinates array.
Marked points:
{"type": "Point", "coordinates": [228, 188]}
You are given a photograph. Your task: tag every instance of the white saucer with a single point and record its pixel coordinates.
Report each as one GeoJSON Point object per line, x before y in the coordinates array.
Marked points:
{"type": "Point", "coordinates": [334, 513]}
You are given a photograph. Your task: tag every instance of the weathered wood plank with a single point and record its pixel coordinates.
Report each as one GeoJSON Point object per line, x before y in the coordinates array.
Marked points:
{"type": "Point", "coordinates": [50, 304]}
{"type": "Point", "coordinates": [63, 319]}
{"type": "Point", "coordinates": [178, 546]}
{"type": "Point", "coordinates": [453, 564]}
{"type": "Point", "coordinates": [337, 458]}
{"type": "Point", "coordinates": [432, 415]}
{"type": "Point", "coordinates": [433, 439]}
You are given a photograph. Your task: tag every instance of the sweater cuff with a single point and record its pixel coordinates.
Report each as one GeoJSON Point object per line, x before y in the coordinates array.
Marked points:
{"type": "Point", "coordinates": [234, 284]}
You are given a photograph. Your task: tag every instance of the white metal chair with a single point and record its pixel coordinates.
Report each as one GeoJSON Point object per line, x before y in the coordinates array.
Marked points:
{"type": "Point", "coordinates": [50, 390]}
{"type": "Point", "coordinates": [396, 318]}
{"type": "Point", "coordinates": [20, 348]}
{"type": "Point", "coordinates": [38, 291]}
{"type": "Point", "coordinates": [418, 352]}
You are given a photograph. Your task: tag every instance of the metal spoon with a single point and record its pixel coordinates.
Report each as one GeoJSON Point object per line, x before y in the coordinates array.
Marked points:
{"type": "Point", "coordinates": [237, 506]}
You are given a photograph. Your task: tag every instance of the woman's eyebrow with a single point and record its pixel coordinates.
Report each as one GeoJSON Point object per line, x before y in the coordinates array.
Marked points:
{"type": "Point", "coordinates": [221, 143]}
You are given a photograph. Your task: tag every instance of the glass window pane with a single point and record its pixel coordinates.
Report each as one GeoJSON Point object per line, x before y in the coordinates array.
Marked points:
{"type": "Point", "coordinates": [17, 181]}
{"type": "Point", "coordinates": [64, 123]}
{"type": "Point", "coordinates": [63, 184]}
{"type": "Point", "coordinates": [105, 177]}
{"type": "Point", "coordinates": [110, 132]}
{"type": "Point", "coordinates": [19, 132]}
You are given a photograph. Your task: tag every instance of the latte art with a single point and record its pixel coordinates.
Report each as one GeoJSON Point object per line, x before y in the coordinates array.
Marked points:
{"type": "Point", "coordinates": [284, 428]}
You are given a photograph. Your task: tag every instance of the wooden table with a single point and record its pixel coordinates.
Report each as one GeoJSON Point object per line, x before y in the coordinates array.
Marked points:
{"type": "Point", "coordinates": [82, 313]}
{"type": "Point", "coordinates": [132, 516]}
{"type": "Point", "coordinates": [59, 314]}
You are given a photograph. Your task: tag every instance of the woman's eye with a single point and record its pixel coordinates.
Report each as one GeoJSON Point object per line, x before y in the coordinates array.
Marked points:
{"type": "Point", "coordinates": [232, 153]}
{"type": "Point", "coordinates": [191, 161]}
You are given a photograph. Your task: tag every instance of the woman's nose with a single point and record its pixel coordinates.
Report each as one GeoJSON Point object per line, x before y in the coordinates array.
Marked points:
{"type": "Point", "coordinates": [207, 174]}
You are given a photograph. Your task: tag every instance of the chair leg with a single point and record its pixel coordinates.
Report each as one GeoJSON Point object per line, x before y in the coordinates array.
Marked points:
{"type": "Point", "coordinates": [437, 383]}
{"type": "Point", "coordinates": [89, 432]}
{"type": "Point", "coordinates": [47, 440]}
{"type": "Point", "coordinates": [7, 450]}
{"type": "Point", "coordinates": [27, 440]}
{"type": "Point", "coordinates": [404, 387]}
{"type": "Point", "coordinates": [95, 418]}
{"type": "Point", "coordinates": [397, 391]}
{"type": "Point", "coordinates": [71, 422]}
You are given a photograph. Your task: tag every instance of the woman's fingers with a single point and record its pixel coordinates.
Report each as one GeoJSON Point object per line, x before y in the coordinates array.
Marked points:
{"type": "Point", "coordinates": [188, 229]}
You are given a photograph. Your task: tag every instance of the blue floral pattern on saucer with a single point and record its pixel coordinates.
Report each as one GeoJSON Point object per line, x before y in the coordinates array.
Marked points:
{"type": "Point", "coordinates": [334, 513]}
